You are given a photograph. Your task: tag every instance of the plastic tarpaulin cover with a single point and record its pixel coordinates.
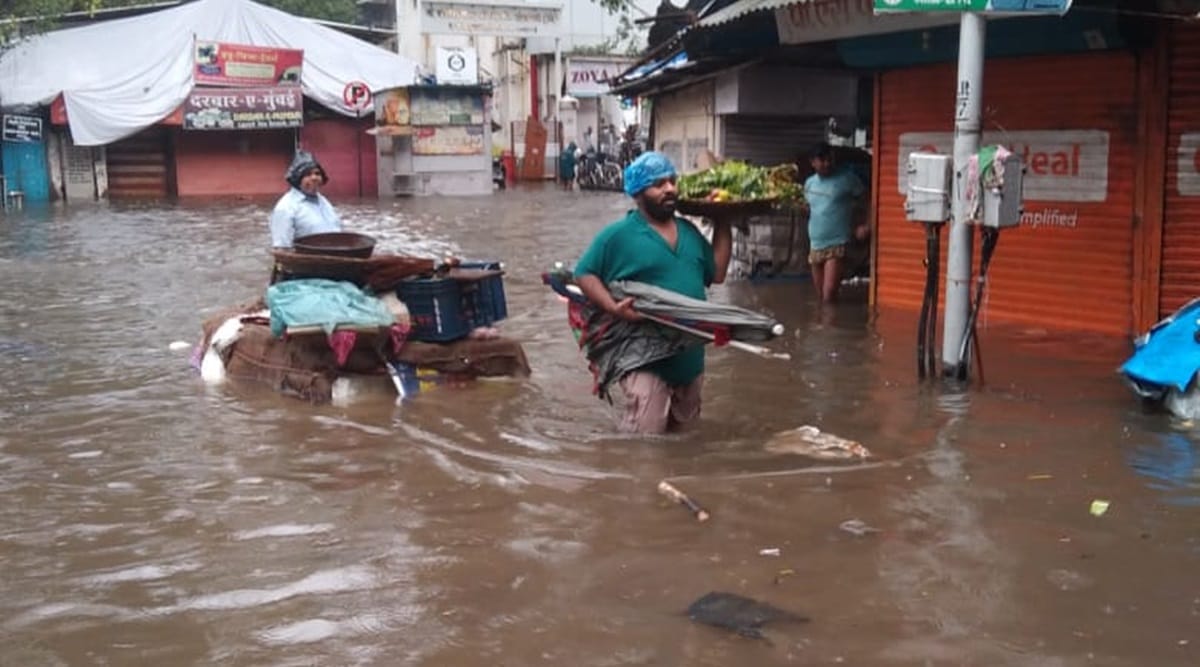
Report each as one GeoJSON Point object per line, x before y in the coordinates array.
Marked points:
{"type": "Point", "coordinates": [324, 303]}
{"type": "Point", "coordinates": [1169, 354]}
{"type": "Point", "coordinates": [120, 76]}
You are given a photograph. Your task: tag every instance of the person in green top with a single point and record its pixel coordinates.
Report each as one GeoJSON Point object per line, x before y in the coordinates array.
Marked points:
{"type": "Point", "coordinates": [652, 245]}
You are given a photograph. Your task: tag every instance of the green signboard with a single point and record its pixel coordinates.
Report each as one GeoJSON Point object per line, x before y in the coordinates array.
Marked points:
{"type": "Point", "coordinates": [988, 6]}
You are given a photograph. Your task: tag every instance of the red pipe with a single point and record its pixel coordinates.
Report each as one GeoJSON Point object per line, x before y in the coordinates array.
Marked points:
{"type": "Point", "coordinates": [533, 87]}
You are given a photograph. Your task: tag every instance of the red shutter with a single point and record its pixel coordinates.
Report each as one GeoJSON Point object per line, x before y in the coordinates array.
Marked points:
{"type": "Point", "coordinates": [1074, 269]}
{"type": "Point", "coordinates": [347, 153]}
{"type": "Point", "coordinates": [219, 163]}
{"type": "Point", "coordinates": [1181, 224]}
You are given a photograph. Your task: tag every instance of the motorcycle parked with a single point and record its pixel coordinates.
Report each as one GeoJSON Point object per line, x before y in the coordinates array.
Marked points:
{"type": "Point", "coordinates": [499, 173]}
{"type": "Point", "coordinates": [597, 171]}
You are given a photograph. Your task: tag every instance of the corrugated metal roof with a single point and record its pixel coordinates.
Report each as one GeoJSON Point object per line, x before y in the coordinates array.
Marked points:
{"type": "Point", "coordinates": [739, 9]}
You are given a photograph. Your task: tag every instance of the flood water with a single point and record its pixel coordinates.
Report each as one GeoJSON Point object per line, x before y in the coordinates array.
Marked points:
{"type": "Point", "coordinates": [147, 519]}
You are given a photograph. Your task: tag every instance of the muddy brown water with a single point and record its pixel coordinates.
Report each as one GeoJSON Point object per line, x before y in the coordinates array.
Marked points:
{"type": "Point", "coordinates": [150, 520]}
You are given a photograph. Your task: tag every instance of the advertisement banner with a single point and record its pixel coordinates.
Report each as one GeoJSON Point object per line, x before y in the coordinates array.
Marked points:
{"type": "Point", "coordinates": [393, 116]}
{"type": "Point", "coordinates": [243, 109]}
{"type": "Point", "coordinates": [446, 107]}
{"type": "Point", "coordinates": [1060, 165]}
{"type": "Point", "coordinates": [448, 141]}
{"type": "Point", "coordinates": [221, 64]}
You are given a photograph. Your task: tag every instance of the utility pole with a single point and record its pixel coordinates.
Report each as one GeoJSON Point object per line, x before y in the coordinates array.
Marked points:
{"type": "Point", "coordinates": [968, 124]}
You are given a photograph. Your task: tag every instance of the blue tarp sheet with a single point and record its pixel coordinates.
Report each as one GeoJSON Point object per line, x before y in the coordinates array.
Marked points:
{"type": "Point", "coordinates": [1170, 354]}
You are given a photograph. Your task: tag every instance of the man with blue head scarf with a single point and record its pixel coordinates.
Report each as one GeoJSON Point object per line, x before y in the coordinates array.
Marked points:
{"type": "Point", "coordinates": [303, 210]}
{"type": "Point", "coordinates": [652, 245]}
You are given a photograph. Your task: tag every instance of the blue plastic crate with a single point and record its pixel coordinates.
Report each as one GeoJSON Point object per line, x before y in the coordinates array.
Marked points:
{"type": "Point", "coordinates": [490, 304]}
{"type": "Point", "coordinates": [436, 308]}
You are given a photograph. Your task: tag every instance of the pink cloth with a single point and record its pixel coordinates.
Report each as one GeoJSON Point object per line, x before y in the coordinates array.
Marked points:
{"type": "Point", "coordinates": [342, 342]}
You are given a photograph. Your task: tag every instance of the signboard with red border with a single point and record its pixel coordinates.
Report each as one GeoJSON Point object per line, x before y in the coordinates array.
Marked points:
{"type": "Point", "coordinates": [357, 96]}
{"type": "Point", "coordinates": [221, 64]}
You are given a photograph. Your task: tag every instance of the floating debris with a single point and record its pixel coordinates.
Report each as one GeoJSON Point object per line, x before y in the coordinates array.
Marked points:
{"type": "Point", "coordinates": [669, 490]}
{"type": "Point", "coordinates": [811, 442]}
{"type": "Point", "coordinates": [740, 614]}
{"type": "Point", "coordinates": [857, 527]}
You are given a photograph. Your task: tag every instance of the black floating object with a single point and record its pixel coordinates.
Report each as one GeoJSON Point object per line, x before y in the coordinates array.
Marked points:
{"type": "Point", "coordinates": [740, 614]}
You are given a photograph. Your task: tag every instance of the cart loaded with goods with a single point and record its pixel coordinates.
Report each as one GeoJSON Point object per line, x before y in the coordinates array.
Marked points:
{"type": "Point", "coordinates": [340, 319]}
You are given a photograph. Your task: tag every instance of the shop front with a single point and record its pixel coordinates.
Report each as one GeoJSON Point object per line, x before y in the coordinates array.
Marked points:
{"type": "Point", "coordinates": [1180, 266]}
{"type": "Point", "coordinates": [433, 140]}
{"type": "Point", "coordinates": [1069, 264]}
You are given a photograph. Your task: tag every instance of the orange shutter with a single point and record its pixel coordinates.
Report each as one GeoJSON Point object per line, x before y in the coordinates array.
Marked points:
{"type": "Point", "coordinates": [1181, 225]}
{"type": "Point", "coordinates": [1069, 265]}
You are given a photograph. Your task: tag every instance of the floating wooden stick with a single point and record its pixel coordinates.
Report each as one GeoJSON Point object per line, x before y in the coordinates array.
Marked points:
{"type": "Point", "coordinates": [668, 490]}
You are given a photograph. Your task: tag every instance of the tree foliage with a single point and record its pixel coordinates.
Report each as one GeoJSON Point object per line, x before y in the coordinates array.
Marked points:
{"type": "Point", "coordinates": [26, 17]}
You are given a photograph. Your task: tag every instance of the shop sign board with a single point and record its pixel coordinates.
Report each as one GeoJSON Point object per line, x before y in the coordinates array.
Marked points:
{"type": "Point", "coordinates": [1060, 166]}
{"type": "Point", "coordinates": [825, 20]}
{"type": "Point", "coordinates": [22, 129]}
{"type": "Point", "coordinates": [222, 64]}
{"type": "Point", "coordinates": [446, 107]}
{"type": "Point", "coordinates": [448, 140]}
{"type": "Point", "coordinates": [987, 6]}
{"type": "Point", "coordinates": [503, 18]}
{"type": "Point", "coordinates": [589, 77]}
{"type": "Point", "coordinates": [243, 109]}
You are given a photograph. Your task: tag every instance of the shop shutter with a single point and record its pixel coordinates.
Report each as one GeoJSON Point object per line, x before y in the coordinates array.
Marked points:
{"type": "Point", "coordinates": [1180, 280]}
{"type": "Point", "coordinates": [683, 124]}
{"type": "Point", "coordinates": [770, 141]}
{"type": "Point", "coordinates": [219, 163]}
{"type": "Point", "coordinates": [1069, 265]}
{"type": "Point", "coordinates": [138, 167]}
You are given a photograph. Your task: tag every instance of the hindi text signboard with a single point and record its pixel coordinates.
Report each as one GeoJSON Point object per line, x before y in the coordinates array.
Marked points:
{"type": "Point", "coordinates": [221, 64]}
{"type": "Point", "coordinates": [243, 109]}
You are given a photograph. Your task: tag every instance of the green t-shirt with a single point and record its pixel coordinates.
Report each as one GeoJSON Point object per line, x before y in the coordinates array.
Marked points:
{"type": "Point", "coordinates": [630, 249]}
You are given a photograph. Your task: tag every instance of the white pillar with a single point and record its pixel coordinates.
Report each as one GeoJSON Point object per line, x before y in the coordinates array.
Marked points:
{"type": "Point", "coordinates": [968, 103]}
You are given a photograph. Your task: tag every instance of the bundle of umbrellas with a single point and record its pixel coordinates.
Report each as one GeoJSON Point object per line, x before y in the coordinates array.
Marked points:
{"type": "Point", "coordinates": [671, 323]}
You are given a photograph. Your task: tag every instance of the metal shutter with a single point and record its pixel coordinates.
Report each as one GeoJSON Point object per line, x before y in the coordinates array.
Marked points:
{"type": "Point", "coordinates": [1180, 281]}
{"type": "Point", "coordinates": [138, 166]}
{"type": "Point", "coordinates": [769, 140]}
{"type": "Point", "coordinates": [1073, 269]}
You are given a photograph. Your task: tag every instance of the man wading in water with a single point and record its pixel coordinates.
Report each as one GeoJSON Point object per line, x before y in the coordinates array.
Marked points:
{"type": "Point", "coordinates": [653, 246]}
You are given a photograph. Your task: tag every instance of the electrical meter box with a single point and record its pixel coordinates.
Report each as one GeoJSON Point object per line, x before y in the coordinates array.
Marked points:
{"type": "Point", "coordinates": [1002, 206]}
{"type": "Point", "coordinates": [928, 193]}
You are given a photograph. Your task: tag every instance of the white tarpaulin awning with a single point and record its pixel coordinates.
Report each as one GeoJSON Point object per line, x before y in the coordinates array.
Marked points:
{"type": "Point", "coordinates": [118, 77]}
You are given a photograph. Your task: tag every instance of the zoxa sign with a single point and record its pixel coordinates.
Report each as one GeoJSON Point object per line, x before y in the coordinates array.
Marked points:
{"type": "Point", "coordinates": [988, 6]}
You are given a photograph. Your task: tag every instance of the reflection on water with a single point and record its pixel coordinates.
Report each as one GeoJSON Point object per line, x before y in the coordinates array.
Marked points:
{"type": "Point", "coordinates": [1172, 466]}
{"type": "Point", "coordinates": [149, 519]}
